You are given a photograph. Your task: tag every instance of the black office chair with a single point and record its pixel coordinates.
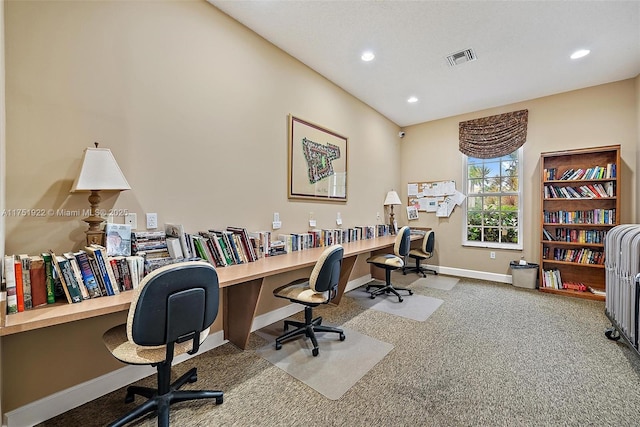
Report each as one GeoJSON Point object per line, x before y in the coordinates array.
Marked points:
{"type": "Point", "coordinates": [392, 262]}
{"type": "Point", "coordinates": [425, 252]}
{"type": "Point", "coordinates": [320, 288]}
{"type": "Point", "coordinates": [170, 314]}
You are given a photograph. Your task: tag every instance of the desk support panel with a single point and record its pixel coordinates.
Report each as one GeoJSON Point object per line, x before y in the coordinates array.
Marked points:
{"type": "Point", "coordinates": [345, 273]}
{"type": "Point", "coordinates": [240, 303]}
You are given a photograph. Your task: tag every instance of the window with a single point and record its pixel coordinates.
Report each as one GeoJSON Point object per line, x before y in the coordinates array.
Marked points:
{"type": "Point", "coordinates": [493, 214]}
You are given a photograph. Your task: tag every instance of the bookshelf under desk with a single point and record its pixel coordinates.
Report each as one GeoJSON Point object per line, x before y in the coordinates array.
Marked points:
{"type": "Point", "coordinates": [241, 286]}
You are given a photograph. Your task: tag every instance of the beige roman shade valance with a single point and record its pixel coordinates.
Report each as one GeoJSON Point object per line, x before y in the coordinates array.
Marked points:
{"type": "Point", "coordinates": [494, 136]}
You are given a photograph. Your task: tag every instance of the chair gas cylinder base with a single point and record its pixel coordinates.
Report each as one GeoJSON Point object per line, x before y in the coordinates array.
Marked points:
{"type": "Point", "coordinates": [390, 262]}
{"type": "Point", "coordinates": [320, 288]}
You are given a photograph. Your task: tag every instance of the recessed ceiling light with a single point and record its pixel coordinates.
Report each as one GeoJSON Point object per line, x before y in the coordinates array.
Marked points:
{"type": "Point", "coordinates": [368, 56]}
{"type": "Point", "coordinates": [412, 100]}
{"type": "Point", "coordinates": [580, 53]}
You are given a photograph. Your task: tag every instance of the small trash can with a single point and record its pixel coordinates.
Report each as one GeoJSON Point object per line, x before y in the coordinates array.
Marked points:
{"type": "Point", "coordinates": [524, 275]}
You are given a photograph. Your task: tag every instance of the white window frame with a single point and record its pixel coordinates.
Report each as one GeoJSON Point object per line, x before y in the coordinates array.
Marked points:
{"type": "Point", "coordinates": [494, 245]}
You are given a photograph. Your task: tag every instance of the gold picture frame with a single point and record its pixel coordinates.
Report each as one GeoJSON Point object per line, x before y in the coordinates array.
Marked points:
{"type": "Point", "coordinates": [317, 162]}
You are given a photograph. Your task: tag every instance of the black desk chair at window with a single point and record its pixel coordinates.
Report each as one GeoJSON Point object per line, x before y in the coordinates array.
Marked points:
{"type": "Point", "coordinates": [392, 262]}
{"type": "Point", "coordinates": [425, 252]}
{"type": "Point", "coordinates": [170, 314]}
{"type": "Point", "coordinates": [320, 288]}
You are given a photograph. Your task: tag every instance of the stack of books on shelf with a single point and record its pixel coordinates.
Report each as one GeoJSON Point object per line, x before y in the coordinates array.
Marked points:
{"type": "Point", "coordinates": [551, 279]}
{"type": "Point", "coordinates": [34, 281]}
{"type": "Point", "coordinates": [589, 191]}
{"type": "Point", "coordinates": [575, 236]}
{"type": "Point", "coordinates": [595, 216]}
{"type": "Point", "coordinates": [152, 247]}
{"type": "Point", "coordinates": [596, 172]}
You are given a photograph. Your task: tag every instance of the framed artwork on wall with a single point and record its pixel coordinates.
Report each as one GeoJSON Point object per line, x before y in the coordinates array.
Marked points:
{"type": "Point", "coordinates": [317, 162]}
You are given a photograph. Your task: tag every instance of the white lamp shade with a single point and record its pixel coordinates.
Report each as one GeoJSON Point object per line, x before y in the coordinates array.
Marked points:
{"type": "Point", "coordinates": [392, 199]}
{"type": "Point", "coordinates": [99, 171]}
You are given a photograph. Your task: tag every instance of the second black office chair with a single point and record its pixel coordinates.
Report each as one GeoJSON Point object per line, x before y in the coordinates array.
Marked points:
{"type": "Point", "coordinates": [392, 262]}
{"type": "Point", "coordinates": [170, 314]}
{"type": "Point", "coordinates": [320, 288]}
{"type": "Point", "coordinates": [425, 252]}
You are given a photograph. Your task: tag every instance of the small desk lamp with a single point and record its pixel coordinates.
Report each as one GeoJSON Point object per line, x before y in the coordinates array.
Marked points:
{"type": "Point", "coordinates": [391, 200]}
{"type": "Point", "coordinates": [99, 171]}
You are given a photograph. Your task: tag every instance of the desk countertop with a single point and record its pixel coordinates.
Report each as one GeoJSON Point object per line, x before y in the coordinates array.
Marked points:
{"type": "Point", "coordinates": [60, 313]}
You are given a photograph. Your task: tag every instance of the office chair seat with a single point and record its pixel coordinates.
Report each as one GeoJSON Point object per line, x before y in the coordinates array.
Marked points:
{"type": "Point", "coordinates": [320, 288]}
{"type": "Point", "coordinates": [423, 253]}
{"type": "Point", "coordinates": [171, 313]}
{"type": "Point", "coordinates": [390, 262]}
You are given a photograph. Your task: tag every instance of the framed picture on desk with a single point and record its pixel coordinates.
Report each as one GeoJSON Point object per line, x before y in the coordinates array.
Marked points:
{"type": "Point", "coordinates": [317, 162]}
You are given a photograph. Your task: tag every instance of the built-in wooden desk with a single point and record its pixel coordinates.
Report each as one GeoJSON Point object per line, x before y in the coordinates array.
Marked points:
{"type": "Point", "coordinates": [241, 286]}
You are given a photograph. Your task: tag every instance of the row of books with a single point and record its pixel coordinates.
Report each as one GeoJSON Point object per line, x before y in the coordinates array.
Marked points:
{"type": "Point", "coordinates": [595, 216]}
{"type": "Point", "coordinates": [589, 191]}
{"type": "Point", "coordinates": [596, 172]}
{"type": "Point", "coordinates": [575, 236]}
{"type": "Point", "coordinates": [580, 256]}
{"type": "Point", "coordinates": [328, 237]}
{"type": "Point", "coordinates": [36, 280]}
{"type": "Point", "coordinates": [235, 245]}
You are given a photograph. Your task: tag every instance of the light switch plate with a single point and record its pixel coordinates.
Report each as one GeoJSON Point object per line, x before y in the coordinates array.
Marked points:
{"type": "Point", "coordinates": [152, 220]}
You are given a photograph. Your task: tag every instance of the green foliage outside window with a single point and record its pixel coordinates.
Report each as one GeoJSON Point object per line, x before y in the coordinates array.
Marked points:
{"type": "Point", "coordinates": [493, 199]}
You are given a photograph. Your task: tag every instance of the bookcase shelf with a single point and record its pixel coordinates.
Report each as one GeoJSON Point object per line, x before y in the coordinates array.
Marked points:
{"type": "Point", "coordinates": [573, 221]}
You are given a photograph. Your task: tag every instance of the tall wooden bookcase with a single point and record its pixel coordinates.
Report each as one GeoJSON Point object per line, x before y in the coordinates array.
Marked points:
{"type": "Point", "coordinates": [575, 217]}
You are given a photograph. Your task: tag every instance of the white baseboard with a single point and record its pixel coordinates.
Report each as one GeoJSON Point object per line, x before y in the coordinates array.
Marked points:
{"type": "Point", "coordinates": [65, 400]}
{"type": "Point", "coordinates": [473, 274]}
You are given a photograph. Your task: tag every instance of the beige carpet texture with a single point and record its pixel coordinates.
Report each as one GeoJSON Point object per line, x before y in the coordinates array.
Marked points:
{"type": "Point", "coordinates": [491, 354]}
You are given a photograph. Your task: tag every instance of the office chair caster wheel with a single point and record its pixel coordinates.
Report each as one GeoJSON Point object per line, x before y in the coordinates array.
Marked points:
{"type": "Point", "coordinates": [372, 296]}
{"type": "Point", "coordinates": [612, 334]}
{"type": "Point", "coordinates": [193, 378]}
{"type": "Point", "coordinates": [410, 292]}
{"type": "Point", "coordinates": [219, 400]}
{"type": "Point", "coordinates": [315, 352]}
{"type": "Point", "coordinates": [278, 346]}
{"type": "Point", "coordinates": [129, 398]}
{"type": "Point", "coordinates": [342, 337]}
{"type": "Point", "coordinates": [400, 299]}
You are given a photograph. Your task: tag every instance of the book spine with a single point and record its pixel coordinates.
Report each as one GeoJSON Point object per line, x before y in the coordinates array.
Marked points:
{"type": "Point", "coordinates": [89, 279]}
{"type": "Point", "coordinates": [103, 271]}
{"type": "Point", "coordinates": [19, 285]}
{"type": "Point", "coordinates": [26, 281]}
{"type": "Point", "coordinates": [51, 283]}
{"type": "Point", "coordinates": [70, 280]}
{"type": "Point", "coordinates": [10, 283]}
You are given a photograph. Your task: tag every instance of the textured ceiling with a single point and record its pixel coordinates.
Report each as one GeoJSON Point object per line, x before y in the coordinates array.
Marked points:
{"type": "Point", "coordinates": [522, 48]}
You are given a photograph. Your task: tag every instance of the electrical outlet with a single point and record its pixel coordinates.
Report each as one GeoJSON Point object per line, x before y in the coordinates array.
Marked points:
{"type": "Point", "coordinates": [152, 220]}
{"type": "Point", "coordinates": [132, 220]}
{"type": "Point", "coordinates": [492, 255]}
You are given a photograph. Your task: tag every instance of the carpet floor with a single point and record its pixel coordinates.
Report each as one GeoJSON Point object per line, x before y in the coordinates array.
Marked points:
{"type": "Point", "coordinates": [490, 355]}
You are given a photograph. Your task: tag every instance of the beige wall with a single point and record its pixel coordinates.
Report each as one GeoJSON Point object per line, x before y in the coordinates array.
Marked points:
{"type": "Point", "coordinates": [194, 106]}
{"type": "Point", "coordinates": [597, 116]}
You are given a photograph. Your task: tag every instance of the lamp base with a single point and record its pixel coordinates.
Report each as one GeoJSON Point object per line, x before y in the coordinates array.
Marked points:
{"type": "Point", "coordinates": [95, 237]}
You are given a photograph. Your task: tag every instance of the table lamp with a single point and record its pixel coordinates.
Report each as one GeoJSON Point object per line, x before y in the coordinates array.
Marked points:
{"type": "Point", "coordinates": [99, 172]}
{"type": "Point", "coordinates": [391, 200]}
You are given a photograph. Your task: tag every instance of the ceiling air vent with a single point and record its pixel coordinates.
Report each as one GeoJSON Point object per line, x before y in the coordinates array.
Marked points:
{"type": "Point", "coordinates": [461, 57]}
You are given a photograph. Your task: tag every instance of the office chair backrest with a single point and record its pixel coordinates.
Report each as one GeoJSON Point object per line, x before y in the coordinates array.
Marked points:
{"type": "Point", "coordinates": [174, 303]}
{"type": "Point", "coordinates": [429, 242]}
{"type": "Point", "coordinates": [403, 242]}
{"type": "Point", "coordinates": [326, 273]}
